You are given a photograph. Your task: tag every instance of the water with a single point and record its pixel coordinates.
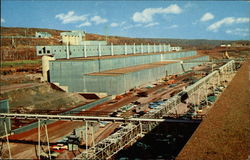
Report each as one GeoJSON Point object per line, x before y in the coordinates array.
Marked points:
{"type": "Point", "coordinates": [164, 142]}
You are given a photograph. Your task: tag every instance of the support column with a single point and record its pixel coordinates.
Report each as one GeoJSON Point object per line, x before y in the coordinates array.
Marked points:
{"type": "Point", "coordinates": [140, 127]}
{"type": "Point", "coordinates": [206, 93]}
{"type": "Point", "coordinates": [67, 53]}
{"type": "Point", "coordinates": [159, 47]}
{"type": "Point", "coordinates": [126, 50]}
{"type": "Point", "coordinates": [39, 139]}
{"type": "Point", "coordinates": [199, 96]}
{"type": "Point", "coordinates": [141, 48]}
{"type": "Point", "coordinates": [112, 49]}
{"type": "Point", "coordinates": [93, 138]}
{"type": "Point", "coordinates": [7, 139]}
{"type": "Point", "coordinates": [86, 139]}
{"type": "Point", "coordinates": [218, 79]}
{"type": "Point", "coordinates": [45, 66]}
{"type": "Point", "coordinates": [134, 48]}
{"type": "Point", "coordinates": [85, 50]}
{"type": "Point", "coordinates": [99, 50]}
{"type": "Point", "coordinates": [148, 47]}
{"type": "Point", "coordinates": [214, 84]}
{"type": "Point", "coordinates": [175, 103]}
{"type": "Point", "coordinates": [47, 137]}
{"type": "Point", "coordinates": [222, 75]}
{"type": "Point", "coordinates": [154, 47]}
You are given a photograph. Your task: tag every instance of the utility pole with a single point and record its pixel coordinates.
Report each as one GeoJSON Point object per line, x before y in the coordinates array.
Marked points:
{"type": "Point", "coordinates": [106, 33]}
{"type": "Point", "coordinates": [13, 42]}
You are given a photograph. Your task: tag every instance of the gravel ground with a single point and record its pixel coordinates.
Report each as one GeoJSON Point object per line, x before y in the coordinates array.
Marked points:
{"type": "Point", "coordinates": [224, 134]}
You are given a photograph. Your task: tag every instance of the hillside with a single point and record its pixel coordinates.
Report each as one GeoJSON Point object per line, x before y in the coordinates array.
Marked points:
{"type": "Point", "coordinates": [195, 43]}
{"type": "Point", "coordinates": [22, 45]}
{"type": "Point", "coordinates": [18, 31]}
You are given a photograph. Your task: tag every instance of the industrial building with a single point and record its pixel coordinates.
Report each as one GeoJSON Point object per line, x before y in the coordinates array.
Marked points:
{"type": "Point", "coordinates": [73, 38]}
{"type": "Point", "coordinates": [116, 75]}
{"type": "Point", "coordinates": [78, 51]}
{"type": "Point", "coordinates": [177, 48]}
{"type": "Point", "coordinates": [43, 35]}
{"type": "Point", "coordinates": [78, 38]}
{"type": "Point", "coordinates": [111, 69]}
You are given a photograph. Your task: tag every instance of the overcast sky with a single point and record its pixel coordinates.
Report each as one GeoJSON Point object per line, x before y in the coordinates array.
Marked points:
{"type": "Point", "coordinates": [226, 20]}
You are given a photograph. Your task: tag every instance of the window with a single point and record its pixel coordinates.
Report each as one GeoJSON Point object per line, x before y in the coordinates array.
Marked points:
{"type": "Point", "coordinates": [48, 51]}
{"type": "Point", "coordinates": [40, 52]}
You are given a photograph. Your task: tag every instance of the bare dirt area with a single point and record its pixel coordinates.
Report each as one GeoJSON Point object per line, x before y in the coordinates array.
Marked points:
{"type": "Point", "coordinates": [233, 52]}
{"type": "Point", "coordinates": [27, 94]}
{"type": "Point", "coordinates": [15, 68]}
{"type": "Point", "coordinates": [224, 133]}
{"type": "Point", "coordinates": [38, 96]}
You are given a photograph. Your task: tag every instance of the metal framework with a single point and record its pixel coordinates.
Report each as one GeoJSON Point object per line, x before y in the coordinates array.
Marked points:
{"type": "Point", "coordinates": [135, 127]}
{"type": "Point", "coordinates": [5, 147]}
{"type": "Point", "coordinates": [214, 61]}
{"type": "Point", "coordinates": [86, 118]}
{"type": "Point", "coordinates": [106, 148]}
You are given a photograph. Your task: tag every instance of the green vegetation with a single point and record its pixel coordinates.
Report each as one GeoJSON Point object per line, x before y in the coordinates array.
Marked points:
{"type": "Point", "coordinates": [20, 63]}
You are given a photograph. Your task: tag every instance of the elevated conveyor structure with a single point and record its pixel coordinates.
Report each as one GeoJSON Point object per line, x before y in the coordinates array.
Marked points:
{"type": "Point", "coordinates": [128, 135]}
{"type": "Point", "coordinates": [137, 127]}
{"type": "Point", "coordinates": [85, 118]}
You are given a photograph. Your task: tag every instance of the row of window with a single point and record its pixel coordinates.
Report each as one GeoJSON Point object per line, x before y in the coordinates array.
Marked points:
{"type": "Point", "coordinates": [71, 36]}
{"type": "Point", "coordinates": [102, 49]}
{"type": "Point", "coordinates": [40, 52]}
{"type": "Point", "coordinates": [48, 51]}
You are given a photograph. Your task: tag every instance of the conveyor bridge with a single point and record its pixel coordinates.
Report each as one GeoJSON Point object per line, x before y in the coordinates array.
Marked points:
{"type": "Point", "coordinates": [137, 127]}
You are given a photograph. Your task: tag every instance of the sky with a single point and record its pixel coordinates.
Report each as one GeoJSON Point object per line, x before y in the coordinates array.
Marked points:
{"type": "Point", "coordinates": [221, 20]}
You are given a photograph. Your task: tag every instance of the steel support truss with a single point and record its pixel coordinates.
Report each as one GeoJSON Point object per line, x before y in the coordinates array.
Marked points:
{"type": "Point", "coordinates": [136, 127]}
{"type": "Point", "coordinates": [111, 145]}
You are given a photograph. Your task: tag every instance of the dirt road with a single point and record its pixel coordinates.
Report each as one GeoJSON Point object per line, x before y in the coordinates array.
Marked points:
{"type": "Point", "coordinates": [224, 134]}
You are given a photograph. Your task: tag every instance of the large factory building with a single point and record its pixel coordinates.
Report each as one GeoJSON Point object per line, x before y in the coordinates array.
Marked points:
{"type": "Point", "coordinates": [114, 69]}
